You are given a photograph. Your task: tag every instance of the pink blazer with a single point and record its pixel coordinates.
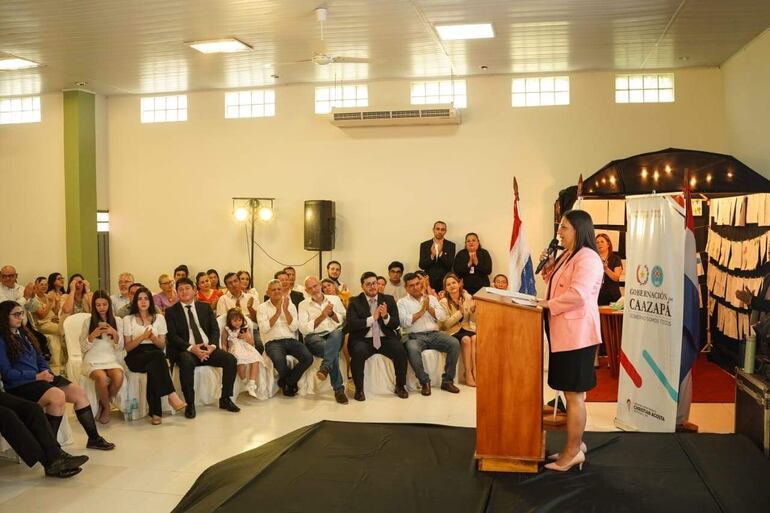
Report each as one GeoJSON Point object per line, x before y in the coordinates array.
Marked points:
{"type": "Point", "coordinates": [573, 303]}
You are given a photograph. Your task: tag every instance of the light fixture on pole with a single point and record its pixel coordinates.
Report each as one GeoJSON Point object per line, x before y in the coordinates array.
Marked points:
{"type": "Point", "coordinates": [249, 209]}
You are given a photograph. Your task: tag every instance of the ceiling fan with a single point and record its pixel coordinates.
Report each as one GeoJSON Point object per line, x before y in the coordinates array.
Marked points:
{"type": "Point", "coordinates": [321, 57]}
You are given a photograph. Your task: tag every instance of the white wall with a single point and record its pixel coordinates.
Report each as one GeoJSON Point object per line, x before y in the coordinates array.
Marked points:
{"type": "Point", "coordinates": [32, 226]}
{"type": "Point", "coordinates": [747, 103]}
{"type": "Point", "coordinates": [170, 185]}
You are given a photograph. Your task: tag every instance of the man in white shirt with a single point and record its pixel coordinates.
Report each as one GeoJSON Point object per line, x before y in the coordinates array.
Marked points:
{"type": "Point", "coordinates": [420, 314]}
{"type": "Point", "coordinates": [236, 297]}
{"type": "Point", "coordinates": [9, 289]}
{"type": "Point", "coordinates": [120, 300]}
{"type": "Point", "coordinates": [395, 286]}
{"type": "Point", "coordinates": [320, 321]}
{"type": "Point", "coordinates": [278, 320]}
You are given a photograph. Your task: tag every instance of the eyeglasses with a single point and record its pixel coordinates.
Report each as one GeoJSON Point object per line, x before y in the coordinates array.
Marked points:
{"type": "Point", "coordinates": [17, 314]}
{"type": "Point", "coordinates": [165, 282]}
{"type": "Point", "coordinates": [4, 276]}
{"type": "Point", "coordinates": [370, 284]}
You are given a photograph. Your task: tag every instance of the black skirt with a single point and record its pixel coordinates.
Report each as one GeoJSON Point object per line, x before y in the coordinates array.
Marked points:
{"type": "Point", "coordinates": [462, 333]}
{"type": "Point", "coordinates": [570, 371]}
{"type": "Point", "coordinates": [34, 390]}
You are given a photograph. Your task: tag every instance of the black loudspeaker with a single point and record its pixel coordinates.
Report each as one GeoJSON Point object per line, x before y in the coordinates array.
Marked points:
{"type": "Point", "coordinates": [319, 225]}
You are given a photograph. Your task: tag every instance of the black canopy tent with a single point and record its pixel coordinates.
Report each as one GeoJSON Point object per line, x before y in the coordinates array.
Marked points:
{"type": "Point", "coordinates": [711, 175]}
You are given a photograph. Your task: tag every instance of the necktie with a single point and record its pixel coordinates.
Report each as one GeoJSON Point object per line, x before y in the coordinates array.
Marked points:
{"type": "Point", "coordinates": [375, 325]}
{"type": "Point", "coordinates": [194, 326]}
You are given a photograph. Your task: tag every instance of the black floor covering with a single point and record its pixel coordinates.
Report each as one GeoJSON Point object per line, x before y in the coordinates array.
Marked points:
{"type": "Point", "coordinates": [339, 467]}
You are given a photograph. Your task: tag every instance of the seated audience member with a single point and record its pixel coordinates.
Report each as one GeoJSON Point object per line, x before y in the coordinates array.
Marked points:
{"type": "Point", "coordinates": [395, 286]}
{"type": "Point", "coordinates": [56, 290]}
{"type": "Point", "coordinates": [120, 300]}
{"type": "Point", "coordinates": [214, 277]}
{"type": "Point", "coordinates": [26, 374]}
{"type": "Point", "coordinates": [238, 340]}
{"type": "Point", "coordinates": [245, 280]}
{"type": "Point", "coordinates": [437, 255]}
{"type": "Point", "coordinates": [181, 271]}
{"type": "Point", "coordinates": [372, 321]}
{"type": "Point", "coordinates": [292, 273]}
{"type": "Point", "coordinates": [9, 289]}
{"type": "Point", "coordinates": [193, 340]}
{"type": "Point", "coordinates": [381, 282]}
{"type": "Point", "coordinates": [420, 314]}
{"type": "Point", "coordinates": [101, 344]}
{"type": "Point", "coordinates": [295, 297]}
{"type": "Point", "coordinates": [206, 294]}
{"type": "Point", "coordinates": [321, 318]}
{"type": "Point", "coordinates": [329, 288]}
{"type": "Point", "coordinates": [126, 309]}
{"type": "Point", "coordinates": [500, 282]}
{"type": "Point", "coordinates": [278, 320]}
{"type": "Point", "coordinates": [425, 281]}
{"type": "Point", "coordinates": [333, 272]}
{"type": "Point", "coordinates": [460, 322]}
{"type": "Point", "coordinates": [167, 295]}
{"type": "Point", "coordinates": [613, 268]}
{"type": "Point", "coordinates": [24, 426]}
{"type": "Point", "coordinates": [235, 297]}
{"type": "Point", "coordinates": [46, 320]}
{"type": "Point", "coordinates": [77, 299]}
{"type": "Point", "coordinates": [144, 332]}
{"type": "Point", "coordinates": [473, 265]}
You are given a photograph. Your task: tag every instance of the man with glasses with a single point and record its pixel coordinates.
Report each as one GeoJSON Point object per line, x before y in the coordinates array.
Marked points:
{"type": "Point", "coordinates": [395, 287]}
{"type": "Point", "coordinates": [10, 290]}
{"type": "Point", "coordinates": [372, 323]}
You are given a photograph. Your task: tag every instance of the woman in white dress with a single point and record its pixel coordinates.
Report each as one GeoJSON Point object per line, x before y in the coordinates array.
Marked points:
{"type": "Point", "coordinates": [237, 339]}
{"type": "Point", "coordinates": [101, 343]}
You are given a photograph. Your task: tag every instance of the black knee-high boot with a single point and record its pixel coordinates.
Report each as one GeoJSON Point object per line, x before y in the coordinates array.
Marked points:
{"type": "Point", "coordinates": [86, 418]}
{"type": "Point", "coordinates": [55, 422]}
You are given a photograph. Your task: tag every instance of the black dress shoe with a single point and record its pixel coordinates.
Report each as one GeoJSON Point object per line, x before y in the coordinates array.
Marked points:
{"type": "Point", "coordinates": [100, 443]}
{"type": "Point", "coordinates": [359, 395]}
{"type": "Point", "coordinates": [401, 392]}
{"type": "Point", "coordinates": [63, 473]}
{"type": "Point", "coordinates": [227, 404]}
{"type": "Point", "coordinates": [189, 411]}
{"type": "Point", "coordinates": [340, 396]}
{"type": "Point", "coordinates": [425, 389]}
{"type": "Point", "coordinates": [73, 461]}
{"type": "Point", "coordinates": [450, 387]}
{"type": "Point", "coordinates": [288, 391]}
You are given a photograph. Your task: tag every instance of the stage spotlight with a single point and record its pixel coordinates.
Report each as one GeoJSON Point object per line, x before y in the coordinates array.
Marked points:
{"type": "Point", "coordinates": [241, 213]}
{"type": "Point", "coordinates": [265, 213]}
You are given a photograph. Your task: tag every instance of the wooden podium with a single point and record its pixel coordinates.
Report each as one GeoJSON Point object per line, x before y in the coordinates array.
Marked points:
{"type": "Point", "coordinates": [509, 381]}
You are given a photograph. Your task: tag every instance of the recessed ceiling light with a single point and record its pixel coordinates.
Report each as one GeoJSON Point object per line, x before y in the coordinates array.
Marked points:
{"type": "Point", "coordinates": [16, 63]}
{"type": "Point", "coordinates": [473, 31]}
{"type": "Point", "coordinates": [228, 45]}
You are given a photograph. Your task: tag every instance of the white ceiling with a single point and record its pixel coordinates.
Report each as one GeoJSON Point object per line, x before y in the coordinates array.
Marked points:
{"type": "Point", "coordinates": [137, 46]}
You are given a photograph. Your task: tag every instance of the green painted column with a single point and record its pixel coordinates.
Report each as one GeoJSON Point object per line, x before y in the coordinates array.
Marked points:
{"type": "Point", "coordinates": [80, 183]}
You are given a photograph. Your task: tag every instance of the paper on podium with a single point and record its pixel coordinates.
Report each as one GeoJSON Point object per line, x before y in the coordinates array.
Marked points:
{"type": "Point", "coordinates": [515, 297]}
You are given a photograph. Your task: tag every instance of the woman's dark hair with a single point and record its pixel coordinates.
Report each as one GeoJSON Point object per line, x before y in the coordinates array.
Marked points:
{"type": "Point", "coordinates": [198, 278]}
{"type": "Point", "coordinates": [448, 296]}
{"type": "Point", "coordinates": [240, 273]}
{"type": "Point", "coordinates": [15, 342]}
{"type": "Point", "coordinates": [95, 317]}
{"type": "Point", "coordinates": [475, 235]}
{"type": "Point", "coordinates": [584, 229]}
{"type": "Point", "coordinates": [215, 273]}
{"type": "Point", "coordinates": [232, 314]}
{"type": "Point", "coordinates": [133, 309]}
{"type": "Point", "coordinates": [183, 268]}
{"type": "Point", "coordinates": [609, 242]}
{"type": "Point", "coordinates": [52, 282]}
{"type": "Point", "coordinates": [76, 275]}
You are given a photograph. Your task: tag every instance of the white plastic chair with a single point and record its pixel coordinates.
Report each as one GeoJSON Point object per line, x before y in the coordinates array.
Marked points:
{"type": "Point", "coordinates": [266, 385]}
{"type": "Point", "coordinates": [309, 384]}
{"type": "Point", "coordinates": [380, 375]}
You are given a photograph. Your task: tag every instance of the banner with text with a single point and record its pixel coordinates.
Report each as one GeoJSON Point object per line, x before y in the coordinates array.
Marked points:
{"type": "Point", "coordinates": [648, 390]}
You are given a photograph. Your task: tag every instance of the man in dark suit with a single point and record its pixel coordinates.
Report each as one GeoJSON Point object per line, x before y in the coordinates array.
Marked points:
{"type": "Point", "coordinates": [437, 256]}
{"type": "Point", "coordinates": [372, 321]}
{"type": "Point", "coordinates": [193, 340]}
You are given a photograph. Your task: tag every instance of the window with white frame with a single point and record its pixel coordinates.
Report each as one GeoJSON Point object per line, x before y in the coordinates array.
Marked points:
{"type": "Point", "coordinates": [25, 109]}
{"type": "Point", "coordinates": [648, 88]}
{"type": "Point", "coordinates": [259, 103]}
{"type": "Point", "coordinates": [440, 91]}
{"type": "Point", "coordinates": [163, 109]}
{"type": "Point", "coordinates": [539, 91]}
{"type": "Point", "coordinates": [340, 96]}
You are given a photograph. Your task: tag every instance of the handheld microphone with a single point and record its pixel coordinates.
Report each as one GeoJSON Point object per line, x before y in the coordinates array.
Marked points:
{"type": "Point", "coordinates": [549, 252]}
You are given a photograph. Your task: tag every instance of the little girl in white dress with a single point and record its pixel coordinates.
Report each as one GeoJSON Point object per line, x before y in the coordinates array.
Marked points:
{"type": "Point", "coordinates": [238, 340]}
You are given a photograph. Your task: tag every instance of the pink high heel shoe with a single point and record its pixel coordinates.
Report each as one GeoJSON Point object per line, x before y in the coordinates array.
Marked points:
{"type": "Point", "coordinates": [578, 460]}
{"type": "Point", "coordinates": [555, 456]}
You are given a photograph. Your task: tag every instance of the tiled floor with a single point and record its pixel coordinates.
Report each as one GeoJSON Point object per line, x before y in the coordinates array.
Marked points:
{"type": "Point", "coordinates": [153, 466]}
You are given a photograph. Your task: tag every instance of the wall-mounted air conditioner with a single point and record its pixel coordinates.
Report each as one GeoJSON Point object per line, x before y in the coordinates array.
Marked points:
{"type": "Point", "coordinates": [443, 114]}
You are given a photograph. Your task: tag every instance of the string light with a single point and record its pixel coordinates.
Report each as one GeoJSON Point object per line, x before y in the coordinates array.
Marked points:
{"type": "Point", "coordinates": [655, 175]}
{"type": "Point", "coordinates": [693, 182]}
{"type": "Point", "coordinates": [612, 180]}
{"type": "Point", "coordinates": [708, 178]}
{"type": "Point", "coordinates": [644, 172]}
{"type": "Point", "coordinates": [668, 169]}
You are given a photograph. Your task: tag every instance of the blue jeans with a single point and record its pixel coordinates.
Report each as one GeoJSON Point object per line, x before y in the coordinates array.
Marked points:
{"type": "Point", "coordinates": [277, 351]}
{"type": "Point", "coordinates": [419, 342]}
{"type": "Point", "coordinates": [328, 347]}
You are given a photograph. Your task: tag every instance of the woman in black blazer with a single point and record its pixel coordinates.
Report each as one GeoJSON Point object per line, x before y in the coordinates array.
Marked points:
{"type": "Point", "coordinates": [473, 264]}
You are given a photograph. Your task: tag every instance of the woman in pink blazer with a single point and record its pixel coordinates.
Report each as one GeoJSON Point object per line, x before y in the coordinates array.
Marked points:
{"type": "Point", "coordinates": [572, 326]}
